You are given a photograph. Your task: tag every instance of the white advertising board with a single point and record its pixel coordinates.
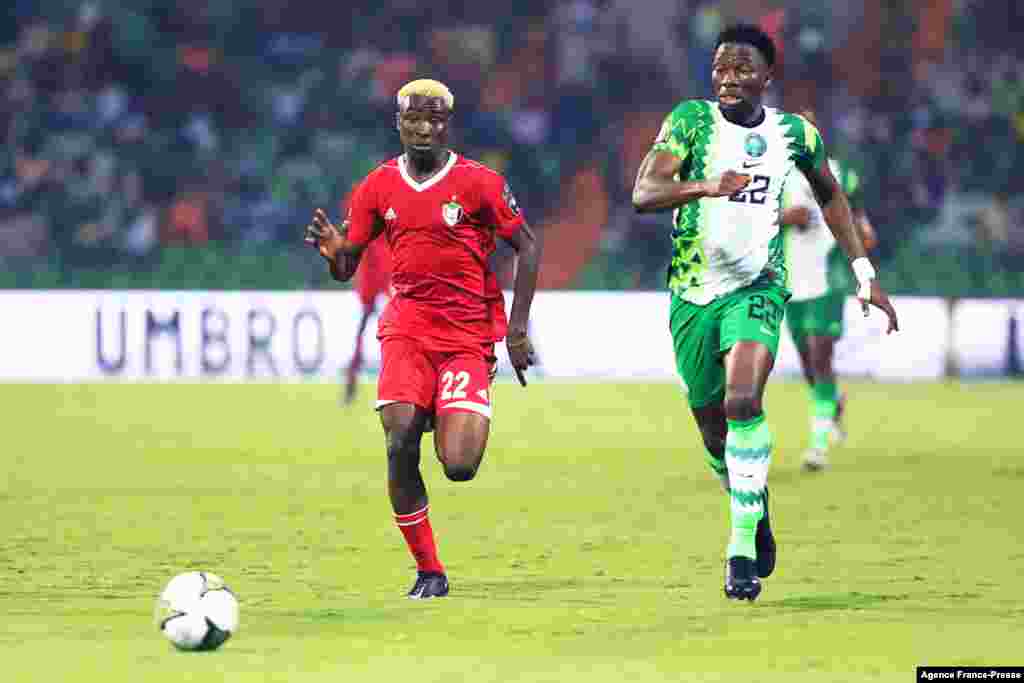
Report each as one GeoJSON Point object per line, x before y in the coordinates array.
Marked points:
{"type": "Point", "coordinates": [918, 351]}
{"type": "Point", "coordinates": [132, 335]}
{"type": "Point", "coordinates": [78, 336]}
{"type": "Point", "coordinates": [981, 336]}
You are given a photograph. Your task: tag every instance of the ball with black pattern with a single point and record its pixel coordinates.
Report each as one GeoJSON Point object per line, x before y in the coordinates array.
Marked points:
{"type": "Point", "coordinates": [196, 611]}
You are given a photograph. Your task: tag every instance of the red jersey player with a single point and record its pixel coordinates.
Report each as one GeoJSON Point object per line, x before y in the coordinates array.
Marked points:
{"type": "Point", "coordinates": [372, 280]}
{"type": "Point", "coordinates": [440, 213]}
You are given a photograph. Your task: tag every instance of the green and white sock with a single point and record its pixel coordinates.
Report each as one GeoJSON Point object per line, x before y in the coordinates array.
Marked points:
{"type": "Point", "coordinates": [717, 465]}
{"type": "Point", "coordinates": [748, 448]}
{"type": "Point", "coordinates": [824, 406]}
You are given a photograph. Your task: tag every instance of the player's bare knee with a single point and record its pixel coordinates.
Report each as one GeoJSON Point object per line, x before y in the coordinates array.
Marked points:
{"type": "Point", "coordinates": [460, 464]}
{"type": "Point", "coordinates": [460, 472]}
{"type": "Point", "coordinates": [403, 442]}
{"type": "Point", "coordinates": [742, 404]}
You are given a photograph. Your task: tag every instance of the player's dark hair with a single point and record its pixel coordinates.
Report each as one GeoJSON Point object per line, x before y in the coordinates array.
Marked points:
{"type": "Point", "coordinates": [748, 34]}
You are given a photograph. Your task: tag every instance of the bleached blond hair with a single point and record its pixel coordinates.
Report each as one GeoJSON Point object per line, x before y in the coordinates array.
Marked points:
{"type": "Point", "coordinates": [425, 87]}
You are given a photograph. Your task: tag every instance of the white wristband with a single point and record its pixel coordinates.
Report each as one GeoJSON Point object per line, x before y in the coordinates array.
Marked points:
{"type": "Point", "coordinates": [865, 273]}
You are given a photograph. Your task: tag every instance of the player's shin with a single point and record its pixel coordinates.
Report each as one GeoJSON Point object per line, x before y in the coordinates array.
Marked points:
{"type": "Point", "coordinates": [824, 407]}
{"type": "Point", "coordinates": [409, 498]}
{"type": "Point", "coordinates": [419, 536]}
{"type": "Point", "coordinates": [747, 456]}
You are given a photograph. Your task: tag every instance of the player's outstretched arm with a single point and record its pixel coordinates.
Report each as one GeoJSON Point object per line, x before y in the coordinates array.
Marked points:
{"type": "Point", "coordinates": [520, 349]}
{"type": "Point", "coordinates": [836, 208]}
{"type": "Point", "coordinates": [656, 187]}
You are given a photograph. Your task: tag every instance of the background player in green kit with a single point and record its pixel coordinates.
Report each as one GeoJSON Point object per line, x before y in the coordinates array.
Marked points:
{"type": "Point", "coordinates": [721, 167]}
{"type": "Point", "coordinates": [819, 281]}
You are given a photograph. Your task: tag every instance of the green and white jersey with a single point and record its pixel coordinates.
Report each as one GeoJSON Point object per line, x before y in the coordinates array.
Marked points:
{"type": "Point", "coordinates": [721, 244]}
{"type": "Point", "coordinates": [814, 262]}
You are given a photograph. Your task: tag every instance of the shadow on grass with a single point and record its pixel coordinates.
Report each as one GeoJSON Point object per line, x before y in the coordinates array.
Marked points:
{"type": "Point", "coordinates": [836, 601]}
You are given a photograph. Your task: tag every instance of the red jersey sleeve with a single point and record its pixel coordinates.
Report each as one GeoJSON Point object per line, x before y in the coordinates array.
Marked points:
{"type": "Point", "coordinates": [500, 207]}
{"type": "Point", "coordinates": [362, 213]}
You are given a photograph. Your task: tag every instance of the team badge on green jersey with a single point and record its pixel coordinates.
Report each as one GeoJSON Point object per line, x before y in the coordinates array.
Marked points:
{"type": "Point", "coordinates": [755, 145]}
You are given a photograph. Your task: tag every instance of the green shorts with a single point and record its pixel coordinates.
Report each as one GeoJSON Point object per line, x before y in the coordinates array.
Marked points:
{"type": "Point", "coordinates": [701, 335]}
{"type": "Point", "coordinates": [819, 317]}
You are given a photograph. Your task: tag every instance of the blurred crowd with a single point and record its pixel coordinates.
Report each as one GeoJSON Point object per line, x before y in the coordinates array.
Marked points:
{"type": "Point", "coordinates": [128, 128]}
{"type": "Point", "coordinates": [925, 99]}
{"type": "Point", "coordinates": [133, 129]}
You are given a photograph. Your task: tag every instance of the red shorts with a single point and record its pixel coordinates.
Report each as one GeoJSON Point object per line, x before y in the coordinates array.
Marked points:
{"type": "Point", "coordinates": [437, 381]}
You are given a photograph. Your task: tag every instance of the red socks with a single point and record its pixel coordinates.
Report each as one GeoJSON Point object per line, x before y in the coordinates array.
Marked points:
{"type": "Point", "coordinates": [415, 526]}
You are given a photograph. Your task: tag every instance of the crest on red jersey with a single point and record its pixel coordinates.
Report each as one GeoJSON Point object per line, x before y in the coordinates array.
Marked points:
{"type": "Point", "coordinates": [451, 212]}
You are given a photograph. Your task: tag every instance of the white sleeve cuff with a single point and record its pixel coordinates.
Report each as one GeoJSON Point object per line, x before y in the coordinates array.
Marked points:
{"type": "Point", "coordinates": [865, 273]}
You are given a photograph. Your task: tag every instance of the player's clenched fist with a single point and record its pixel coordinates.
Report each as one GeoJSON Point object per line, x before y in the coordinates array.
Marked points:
{"type": "Point", "coordinates": [727, 184]}
{"type": "Point", "coordinates": [521, 354]}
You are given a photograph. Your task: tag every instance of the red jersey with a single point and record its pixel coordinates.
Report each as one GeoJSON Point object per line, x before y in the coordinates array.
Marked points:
{"type": "Point", "coordinates": [441, 232]}
{"type": "Point", "coordinates": [373, 277]}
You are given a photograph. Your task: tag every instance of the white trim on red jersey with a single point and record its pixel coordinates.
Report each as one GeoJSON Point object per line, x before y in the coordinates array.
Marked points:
{"type": "Point", "coordinates": [432, 180]}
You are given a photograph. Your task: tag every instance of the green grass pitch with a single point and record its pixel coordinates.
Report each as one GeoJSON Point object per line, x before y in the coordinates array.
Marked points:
{"type": "Point", "coordinates": [589, 548]}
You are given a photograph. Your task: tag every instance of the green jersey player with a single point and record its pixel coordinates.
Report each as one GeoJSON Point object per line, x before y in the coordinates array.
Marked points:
{"type": "Point", "coordinates": [819, 282]}
{"type": "Point", "coordinates": [721, 167]}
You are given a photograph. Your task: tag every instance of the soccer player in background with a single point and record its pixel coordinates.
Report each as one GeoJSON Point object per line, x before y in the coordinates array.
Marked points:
{"type": "Point", "coordinates": [440, 214]}
{"type": "Point", "coordinates": [819, 282]}
{"type": "Point", "coordinates": [721, 166]}
{"type": "Point", "coordinates": [371, 281]}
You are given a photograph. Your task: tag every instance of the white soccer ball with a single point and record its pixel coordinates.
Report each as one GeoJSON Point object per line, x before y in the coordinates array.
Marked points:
{"type": "Point", "coordinates": [197, 611]}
